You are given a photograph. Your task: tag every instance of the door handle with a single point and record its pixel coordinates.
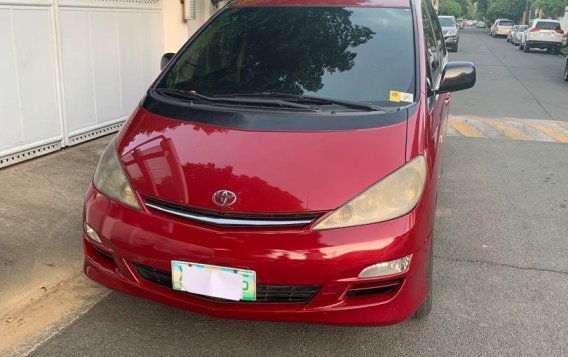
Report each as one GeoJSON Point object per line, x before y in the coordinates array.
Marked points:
{"type": "Point", "coordinates": [447, 98]}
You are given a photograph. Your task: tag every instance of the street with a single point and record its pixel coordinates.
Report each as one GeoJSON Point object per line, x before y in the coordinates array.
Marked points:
{"type": "Point", "coordinates": [500, 247]}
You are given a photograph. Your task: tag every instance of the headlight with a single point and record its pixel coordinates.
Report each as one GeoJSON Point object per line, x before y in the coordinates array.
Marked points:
{"type": "Point", "coordinates": [386, 268]}
{"type": "Point", "coordinates": [392, 197]}
{"type": "Point", "coordinates": [111, 180]}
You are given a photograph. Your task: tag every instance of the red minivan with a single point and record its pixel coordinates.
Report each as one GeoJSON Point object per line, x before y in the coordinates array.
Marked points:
{"type": "Point", "coordinates": [283, 166]}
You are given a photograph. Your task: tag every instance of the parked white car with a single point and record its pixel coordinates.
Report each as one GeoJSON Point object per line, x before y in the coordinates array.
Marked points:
{"type": "Point", "coordinates": [544, 34]}
{"type": "Point", "coordinates": [517, 33]}
{"type": "Point", "coordinates": [501, 27]}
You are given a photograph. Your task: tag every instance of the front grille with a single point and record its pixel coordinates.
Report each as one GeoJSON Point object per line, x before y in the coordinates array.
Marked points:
{"type": "Point", "coordinates": [264, 293]}
{"type": "Point", "coordinates": [230, 218]}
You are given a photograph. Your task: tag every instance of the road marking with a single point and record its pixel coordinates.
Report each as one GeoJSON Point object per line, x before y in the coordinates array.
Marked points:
{"type": "Point", "coordinates": [509, 131]}
{"type": "Point", "coordinates": [558, 134]}
{"type": "Point", "coordinates": [508, 128]}
{"type": "Point", "coordinates": [465, 129]}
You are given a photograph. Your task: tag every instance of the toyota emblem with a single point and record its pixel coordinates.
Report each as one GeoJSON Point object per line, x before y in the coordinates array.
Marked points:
{"type": "Point", "coordinates": [224, 198]}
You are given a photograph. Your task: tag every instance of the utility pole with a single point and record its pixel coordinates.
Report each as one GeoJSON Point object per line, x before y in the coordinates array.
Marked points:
{"type": "Point", "coordinates": [527, 9]}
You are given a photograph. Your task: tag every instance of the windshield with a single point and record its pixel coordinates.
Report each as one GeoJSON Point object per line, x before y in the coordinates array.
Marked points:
{"type": "Point", "coordinates": [356, 54]}
{"type": "Point", "coordinates": [505, 23]}
{"type": "Point", "coordinates": [547, 25]}
{"type": "Point", "coordinates": [447, 21]}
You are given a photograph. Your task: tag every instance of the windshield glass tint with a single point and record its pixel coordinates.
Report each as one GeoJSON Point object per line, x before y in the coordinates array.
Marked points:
{"type": "Point", "coordinates": [505, 23]}
{"type": "Point", "coordinates": [547, 25]}
{"type": "Point", "coordinates": [357, 54]}
{"type": "Point", "coordinates": [446, 21]}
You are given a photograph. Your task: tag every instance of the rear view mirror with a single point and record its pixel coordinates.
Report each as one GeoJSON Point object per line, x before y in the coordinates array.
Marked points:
{"type": "Point", "coordinates": [457, 76]}
{"type": "Point", "coordinates": [166, 59]}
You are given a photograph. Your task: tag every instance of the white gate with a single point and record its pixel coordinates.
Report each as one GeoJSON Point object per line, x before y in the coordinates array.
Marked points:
{"type": "Point", "coordinates": [72, 70]}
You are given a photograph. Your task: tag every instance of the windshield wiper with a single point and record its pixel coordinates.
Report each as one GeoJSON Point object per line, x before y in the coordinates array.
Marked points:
{"type": "Point", "coordinates": [194, 96]}
{"type": "Point", "coordinates": [315, 100]}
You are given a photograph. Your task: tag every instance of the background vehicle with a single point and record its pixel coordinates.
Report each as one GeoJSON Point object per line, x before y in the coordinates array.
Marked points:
{"type": "Point", "coordinates": [481, 25]}
{"type": "Point", "coordinates": [450, 31]}
{"type": "Point", "coordinates": [510, 33]}
{"type": "Point", "coordinates": [474, 22]}
{"type": "Point", "coordinates": [501, 27]}
{"type": "Point", "coordinates": [460, 23]}
{"type": "Point", "coordinates": [469, 22]}
{"type": "Point", "coordinates": [517, 34]}
{"type": "Point", "coordinates": [543, 34]}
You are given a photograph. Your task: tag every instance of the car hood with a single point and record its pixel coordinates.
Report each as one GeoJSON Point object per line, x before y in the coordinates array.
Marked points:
{"type": "Point", "coordinates": [445, 29]}
{"type": "Point", "coordinates": [185, 162]}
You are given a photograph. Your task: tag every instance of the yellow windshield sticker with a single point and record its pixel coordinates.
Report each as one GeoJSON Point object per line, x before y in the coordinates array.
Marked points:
{"type": "Point", "coordinates": [396, 96]}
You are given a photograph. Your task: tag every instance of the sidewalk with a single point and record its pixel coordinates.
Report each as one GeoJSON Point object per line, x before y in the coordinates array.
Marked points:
{"type": "Point", "coordinates": [41, 204]}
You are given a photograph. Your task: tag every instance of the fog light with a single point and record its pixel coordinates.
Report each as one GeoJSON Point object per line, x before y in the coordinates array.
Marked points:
{"type": "Point", "coordinates": [91, 233]}
{"type": "Point", "coordinates": [386, 268]}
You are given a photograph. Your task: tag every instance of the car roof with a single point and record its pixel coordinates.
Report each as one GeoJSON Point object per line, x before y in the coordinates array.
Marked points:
{"type": "Point", "coordinates": [347, 3]}
{"type": "Point", "coordinates": [546, 20]}
{"type": "Point", "coordinates": [440, 16]}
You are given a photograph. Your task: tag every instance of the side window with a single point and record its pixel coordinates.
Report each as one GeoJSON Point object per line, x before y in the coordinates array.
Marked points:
{"type": "Point", "coordinates": [437, 27]}
{"type": "Point", "coordinates": [433, 54]}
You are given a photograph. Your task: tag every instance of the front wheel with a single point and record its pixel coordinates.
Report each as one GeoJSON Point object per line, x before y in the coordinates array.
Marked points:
{"type": "Point", "coordinates": [566, 72]}
{"type": "Point", "coordinates": [426, 307]}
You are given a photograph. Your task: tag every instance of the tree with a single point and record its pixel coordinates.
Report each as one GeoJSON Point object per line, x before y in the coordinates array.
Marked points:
{"type": "Point", "coordinates": [482, 6]}
{"type": "Point", "coordinates": [508, 9]}
{"type": "Point", "coordinates": [450, 7]}
{"type": "Point", "coordinates": [552, 8]}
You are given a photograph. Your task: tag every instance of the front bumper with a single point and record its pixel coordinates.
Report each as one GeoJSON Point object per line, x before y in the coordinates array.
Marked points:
{"type": "Point", "coordinates": [329, 259]}
{"type": "Point", "coordinates": [451, 40]}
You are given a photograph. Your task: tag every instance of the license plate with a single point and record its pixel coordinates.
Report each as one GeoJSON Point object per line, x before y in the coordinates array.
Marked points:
{"type": "Point", "coordinates": [215, 281]}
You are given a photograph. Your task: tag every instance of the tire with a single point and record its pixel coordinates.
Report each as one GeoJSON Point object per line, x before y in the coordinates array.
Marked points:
{"type": "Point", "coordinates": [426, 307]}
{"type": "Point", "coordinates": [521, 46]}
{"type": "Point", "coordinates": [456, 47]}
{"type": "Point", "coordinates": [566, 72]}
{"type": "Point", "coordinates": [526, 47]}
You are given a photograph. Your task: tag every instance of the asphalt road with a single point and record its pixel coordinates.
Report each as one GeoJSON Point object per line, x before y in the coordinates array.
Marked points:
{"type": "Point", "coordinates": [511, 83]}
{"type": "Point", "coordinates": [501, 272]}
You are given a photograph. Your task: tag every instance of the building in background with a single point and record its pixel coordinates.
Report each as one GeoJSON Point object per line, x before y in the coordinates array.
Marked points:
{"type": "Point", "coordinates": [73, 70]}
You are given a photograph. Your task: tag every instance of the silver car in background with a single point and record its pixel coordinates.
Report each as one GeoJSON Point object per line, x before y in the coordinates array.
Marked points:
{"type": "Point", "coordinates": [450, 31]}
{"type": "Point", "coordinates": [501, 27]}
{"type": "Point", "coordinates": [517, 34]}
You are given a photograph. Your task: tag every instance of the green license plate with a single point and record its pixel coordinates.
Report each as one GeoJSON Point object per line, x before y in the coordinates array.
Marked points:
{"type": "Point", "coordinates": [215, 281]}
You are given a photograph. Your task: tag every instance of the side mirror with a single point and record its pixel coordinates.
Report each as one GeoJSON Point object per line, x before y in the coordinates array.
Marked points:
{"type": "Point", "coordinates": [165, 60]}
{"type": "Point", "coordinates": [457, 76]}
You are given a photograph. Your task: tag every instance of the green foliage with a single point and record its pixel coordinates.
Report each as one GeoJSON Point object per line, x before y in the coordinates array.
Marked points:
{"type": "Point", "coordinates": [552, 8]}
{"type": "Point", "coordinates": [450, 7]}
{"type": "Point", "coordinates": [508, 9]}
{"type": "Point", "coordinates": [482, 6]}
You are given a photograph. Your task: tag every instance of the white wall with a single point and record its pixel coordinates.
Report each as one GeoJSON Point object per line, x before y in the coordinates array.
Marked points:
{"type": "Point", "coordinates": [29, 111]}
{"type": "Point", "coordinates": [71, 70]}
{"type": "Point", "coordinates": [176, 31]}
{"type": "Point", "coordinates": [109, 58]}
